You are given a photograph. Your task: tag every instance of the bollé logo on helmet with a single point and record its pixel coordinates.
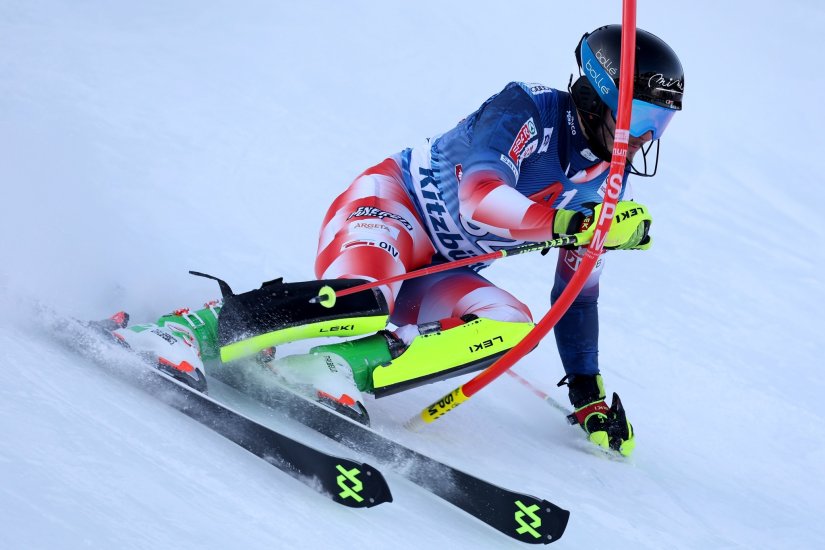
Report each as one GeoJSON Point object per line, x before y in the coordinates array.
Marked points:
{"type": "Point", "coordinates": [597, 77]}
{"type": "Point", "coordinates": [606, 62]}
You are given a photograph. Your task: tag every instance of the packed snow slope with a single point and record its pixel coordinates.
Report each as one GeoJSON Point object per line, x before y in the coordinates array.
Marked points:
{"type": "Point", "coordinates": [139, 140]}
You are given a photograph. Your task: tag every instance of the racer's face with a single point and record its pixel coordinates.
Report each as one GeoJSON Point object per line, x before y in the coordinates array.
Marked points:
{"type": "Point", "coordinates": [634, 143]}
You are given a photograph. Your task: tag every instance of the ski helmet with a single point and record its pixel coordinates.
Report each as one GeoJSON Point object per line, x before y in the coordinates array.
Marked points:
{"type": "Point", "coordinates": [658, 81]}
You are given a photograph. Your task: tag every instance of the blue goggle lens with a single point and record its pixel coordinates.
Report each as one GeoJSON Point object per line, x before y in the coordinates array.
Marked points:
{"type": "Point", "coordinates": [648, 117]}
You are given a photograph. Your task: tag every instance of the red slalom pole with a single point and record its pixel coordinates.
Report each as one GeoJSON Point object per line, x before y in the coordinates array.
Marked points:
{"type": "Point", "coordinates": [591, 255]}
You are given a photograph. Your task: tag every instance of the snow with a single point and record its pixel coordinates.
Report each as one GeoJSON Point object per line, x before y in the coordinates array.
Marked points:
{"type": "Point", "coordinates": [141, 140]}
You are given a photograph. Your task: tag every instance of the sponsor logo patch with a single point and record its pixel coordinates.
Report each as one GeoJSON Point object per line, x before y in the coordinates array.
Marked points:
{"type": "Point", "coordinates": [383, 245]}
{"type": "Point", "coordinates": [506, 160]}
{"type": "Point", "coordinates": [545, 140]}
{"type": "Point", "coordinates": [529, 150]}
{"type": "Point", "coordinates": [448, 237]}
{"type": "Point", "coordinates": [588, 154]}
{"type": "Point", "coordinates": [526, 133]}
{"type": "Point", "coordinates": [537, 89]}
{"type": "Point", "coordinates": [372, 212]}
{"type": "Point", "coordinates": [376, 227]}
{"type": "Point", "coordinates": [570, 123]}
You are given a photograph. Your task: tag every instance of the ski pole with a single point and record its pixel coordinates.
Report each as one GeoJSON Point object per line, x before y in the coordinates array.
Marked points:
{"type": "Point", "coordinates": [326, 296]}
{"type": "Point", "coordinates": [544, 396]}
{"type": "Point", "coordinates": [591, 254]}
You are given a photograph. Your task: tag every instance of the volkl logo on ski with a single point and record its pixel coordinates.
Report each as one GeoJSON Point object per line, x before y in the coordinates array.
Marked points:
{"type": "Point", "coordinates": [351, 476]}
{"type": "Point", "coordinates": [535, 521]}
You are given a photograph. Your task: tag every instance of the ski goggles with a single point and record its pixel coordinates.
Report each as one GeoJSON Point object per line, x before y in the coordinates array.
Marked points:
{"type": "Point", "coordinates": [646, 117]}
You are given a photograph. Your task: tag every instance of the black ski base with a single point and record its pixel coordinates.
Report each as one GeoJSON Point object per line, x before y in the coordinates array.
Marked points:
{"type": "Point", "coordinates": [347, 482]}
{"type": "Point", "coordinates": [353, 484]}
{"type": "Point", "coordinates": [517, 515]}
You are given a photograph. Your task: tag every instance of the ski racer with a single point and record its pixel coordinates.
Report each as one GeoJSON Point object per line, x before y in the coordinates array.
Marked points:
{"type": "Point", "coordinates": [528, 165]}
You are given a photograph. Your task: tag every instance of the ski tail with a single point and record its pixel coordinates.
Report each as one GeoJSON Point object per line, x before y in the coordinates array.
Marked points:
{"type": "Point", "coordinates": [518, 515]}
{"type": "Point", "coordinates": [348, 482]}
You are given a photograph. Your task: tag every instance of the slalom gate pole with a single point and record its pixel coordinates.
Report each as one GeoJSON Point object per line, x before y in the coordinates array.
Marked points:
{"type": "Point", "coordinates": [591, 254]}
{"type": "Point", "coordinates": [327, 296]}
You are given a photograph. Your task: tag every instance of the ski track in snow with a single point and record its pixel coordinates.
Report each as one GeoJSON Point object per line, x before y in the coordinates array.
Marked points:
{"type": "Point", "coordinates": [138, 141]}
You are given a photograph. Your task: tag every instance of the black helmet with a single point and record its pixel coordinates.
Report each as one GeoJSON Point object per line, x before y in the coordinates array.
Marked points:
{"type": "Point", "coordinates": [658, 84]}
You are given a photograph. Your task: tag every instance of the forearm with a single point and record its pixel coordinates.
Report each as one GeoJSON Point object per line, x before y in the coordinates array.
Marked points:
{"type": "Point", "coordinates": [485, 199]}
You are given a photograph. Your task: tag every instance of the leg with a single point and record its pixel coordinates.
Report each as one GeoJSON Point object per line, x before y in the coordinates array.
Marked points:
{"type": "Point", "coordinates": [577, 333]}
{"type": "Point", "coordinates": [436, 308]}
{"type": "Point", "coordinates": [372, 231]}
{"type": "Point", "coordinates": [577, 338]}
{"type": "Point", "coordinates": [454, 294]}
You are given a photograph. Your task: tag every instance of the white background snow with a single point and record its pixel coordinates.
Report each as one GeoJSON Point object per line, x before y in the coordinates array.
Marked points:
{"type": "Point", "coordinates": [139, 140]}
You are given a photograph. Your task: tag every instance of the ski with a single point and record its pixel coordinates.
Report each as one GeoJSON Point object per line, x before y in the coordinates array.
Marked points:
{"type": "Point", "coordinates": [347, 482]}
{"type": "Point", "coordinates": [518, 515]}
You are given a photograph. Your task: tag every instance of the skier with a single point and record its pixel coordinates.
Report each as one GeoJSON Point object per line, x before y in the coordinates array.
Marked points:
{"type": "Point", "coordinates": [529, 165]}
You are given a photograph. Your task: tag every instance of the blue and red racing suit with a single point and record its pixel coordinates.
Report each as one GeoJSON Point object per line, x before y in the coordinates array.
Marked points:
{"type": "Point", "coordinates": [493, 182]}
